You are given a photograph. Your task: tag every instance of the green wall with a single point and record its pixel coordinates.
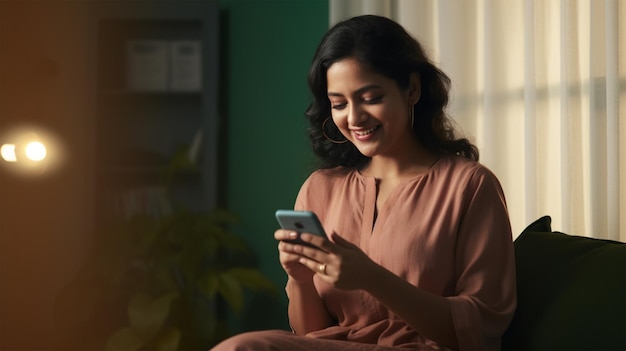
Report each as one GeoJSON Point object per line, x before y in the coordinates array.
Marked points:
{"type": "Point", "coordinates": [267, 46]}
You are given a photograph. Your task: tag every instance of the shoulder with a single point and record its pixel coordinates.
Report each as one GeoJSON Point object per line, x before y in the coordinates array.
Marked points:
{"type": "Point", "coordinates": [465, 173]}
{"type": "Point", "coordinates": [461, 167]}
{"type": "Point", "coordinates": [323, 185]}
{"type": "Point", "coordinates": [329, 177]}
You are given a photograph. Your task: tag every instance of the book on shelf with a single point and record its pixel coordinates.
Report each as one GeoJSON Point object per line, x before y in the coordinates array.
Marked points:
{"type": "Point", "coordinates": [148, 201]}
{"type": "Point", "coordinates": [186, 65]}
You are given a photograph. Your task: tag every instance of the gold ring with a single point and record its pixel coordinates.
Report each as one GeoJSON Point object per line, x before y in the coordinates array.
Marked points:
{"type": "Point", "coordinates": [322, 268]}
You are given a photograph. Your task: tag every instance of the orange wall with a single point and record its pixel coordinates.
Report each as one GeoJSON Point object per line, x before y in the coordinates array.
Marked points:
{"type": "Point", "coordinates": [46, 80]}
{"type": "Point", "coordinates": [45, 218]}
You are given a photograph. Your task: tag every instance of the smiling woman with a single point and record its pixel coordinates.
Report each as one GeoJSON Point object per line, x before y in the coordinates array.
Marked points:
{"type": "Point", "coordinates": [418, 253]}
{"type": "Point", "coordinates": [541, 85]}
{"type": "Point", "coordinates": [356, 93]}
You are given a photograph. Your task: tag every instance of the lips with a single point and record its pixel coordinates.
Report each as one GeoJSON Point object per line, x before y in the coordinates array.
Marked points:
{"type": "Point", "coordinates": [363, 133]}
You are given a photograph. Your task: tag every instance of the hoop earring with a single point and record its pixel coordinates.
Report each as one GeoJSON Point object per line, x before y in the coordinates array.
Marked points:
{"type": "Point", "coordinates": [326, 136]}
{"type": "Point", "coordinates": [412, 115]}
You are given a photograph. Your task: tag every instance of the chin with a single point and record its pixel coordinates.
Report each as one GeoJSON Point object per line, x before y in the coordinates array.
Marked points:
{"type": "Point", "coordinates": [368, 152]}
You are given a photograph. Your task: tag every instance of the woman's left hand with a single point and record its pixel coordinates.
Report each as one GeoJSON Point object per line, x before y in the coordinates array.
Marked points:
{"type": "Point", "coordinates": [341, 264]}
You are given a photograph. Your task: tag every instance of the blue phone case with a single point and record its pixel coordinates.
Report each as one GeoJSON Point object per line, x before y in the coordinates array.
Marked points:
{"type": "Point", "coordinates": [300, 222]}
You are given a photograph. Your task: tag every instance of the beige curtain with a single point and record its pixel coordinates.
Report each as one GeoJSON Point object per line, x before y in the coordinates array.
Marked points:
{"type": "Point", "coordinates": [540, 86]}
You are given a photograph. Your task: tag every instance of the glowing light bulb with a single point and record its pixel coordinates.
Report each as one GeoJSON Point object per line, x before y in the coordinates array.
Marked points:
{"type": "Point", "coordinates": [35, 151]}
{"type": "Point", "coordinates": [8, 152]}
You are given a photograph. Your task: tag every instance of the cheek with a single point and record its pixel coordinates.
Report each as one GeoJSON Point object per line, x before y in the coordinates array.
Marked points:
{"type": "Point", "coordinates": [399, 115]}
{"type": "Point", "coordinates": [340, 120]}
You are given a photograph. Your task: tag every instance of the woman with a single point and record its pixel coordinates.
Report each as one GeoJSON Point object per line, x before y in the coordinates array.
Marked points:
{"type": "Point", "coordinates": [419, 254]}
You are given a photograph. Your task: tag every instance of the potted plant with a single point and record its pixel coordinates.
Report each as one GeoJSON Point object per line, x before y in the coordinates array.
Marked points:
{"type": "Point", "coordinates": [172, 278]}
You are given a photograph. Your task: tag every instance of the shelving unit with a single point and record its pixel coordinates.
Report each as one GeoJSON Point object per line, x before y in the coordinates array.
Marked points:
{"type": "Point", "coordinates": [139, 130]}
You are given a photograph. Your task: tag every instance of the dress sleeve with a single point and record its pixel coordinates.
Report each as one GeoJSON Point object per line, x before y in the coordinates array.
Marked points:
{"type": "Point", "coordinates": [302, 199]}
{"type": "Point", "coordinates": [485, 266]}
{"type": "Point", "coordinates": [313, 194]}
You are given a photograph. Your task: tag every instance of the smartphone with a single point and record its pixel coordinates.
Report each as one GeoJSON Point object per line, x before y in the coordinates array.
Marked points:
{"type": "Point", "coordinates": [300, 222]}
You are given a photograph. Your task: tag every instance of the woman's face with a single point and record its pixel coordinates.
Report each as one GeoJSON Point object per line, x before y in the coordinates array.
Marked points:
{"type": "Point", "coordinates": [369, 109]}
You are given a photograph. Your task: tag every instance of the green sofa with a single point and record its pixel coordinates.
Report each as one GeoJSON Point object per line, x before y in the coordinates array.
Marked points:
{"type": "Point", "coordinates": [571, 292]}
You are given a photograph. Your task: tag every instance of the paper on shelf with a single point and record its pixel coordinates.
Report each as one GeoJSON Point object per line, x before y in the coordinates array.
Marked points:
{"type": "Point", "coordinates": [186, 65]}
{"type": "Point", "coordinates": [147, 67]}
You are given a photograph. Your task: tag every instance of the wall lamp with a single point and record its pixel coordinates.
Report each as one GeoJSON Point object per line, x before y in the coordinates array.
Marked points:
{"type": "Point", "coordinates": [34, 151]}
{"type": "Point", "coordinates": [30, 150]}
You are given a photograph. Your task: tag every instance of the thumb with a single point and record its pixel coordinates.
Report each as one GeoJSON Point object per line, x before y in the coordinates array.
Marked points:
{"type": "Point", "coordinates": [337, 239]}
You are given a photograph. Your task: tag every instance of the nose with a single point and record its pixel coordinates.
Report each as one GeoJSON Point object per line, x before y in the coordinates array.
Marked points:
{"type": "Point", "coordinates": [356, 115]}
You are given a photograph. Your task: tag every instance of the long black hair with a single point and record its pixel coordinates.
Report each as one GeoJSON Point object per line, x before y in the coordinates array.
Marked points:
{"type": "Point", "coordinates": [386, 48]}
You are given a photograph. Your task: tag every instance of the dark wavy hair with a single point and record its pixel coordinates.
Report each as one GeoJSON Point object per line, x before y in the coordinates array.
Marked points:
{"type": "Point", "coordinates": [386, 48]}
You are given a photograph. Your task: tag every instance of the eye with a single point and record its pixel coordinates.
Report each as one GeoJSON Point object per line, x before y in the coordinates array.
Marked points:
{"type": "Point", "coordinates": [373, 100]}
{"type": "Point", "coordinates": [338, 105]}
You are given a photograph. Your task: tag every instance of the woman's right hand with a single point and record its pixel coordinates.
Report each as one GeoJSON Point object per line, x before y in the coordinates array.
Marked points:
{"type": "Point", "coordinates": [289, 257]}
{"type": "Point", "coordinates": [306, 310]}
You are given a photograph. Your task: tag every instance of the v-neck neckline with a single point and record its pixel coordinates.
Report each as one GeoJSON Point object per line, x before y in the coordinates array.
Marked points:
{"type": "Point", "coordinates": [371, 214]}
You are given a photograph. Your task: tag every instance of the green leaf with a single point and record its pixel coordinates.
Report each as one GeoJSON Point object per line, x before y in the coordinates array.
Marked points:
{"type": "Point", "coordinates": [147, 315]}
{"type": "Point", "coordinates": [168, 340]}
{"type": "Point", "coordinates": [124, 340]}
{"type": "Point", "coordinates": [231, 290]}
{"type": "Point", "coordinates": [162, 273]}
{"type": "Point", "coordinates": [252, 279]}
{"type": "Point", "coordinates": [211, 285]}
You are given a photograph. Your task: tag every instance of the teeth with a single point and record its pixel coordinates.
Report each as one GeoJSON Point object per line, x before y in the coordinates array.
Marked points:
{"type": "Point", "coordinates": [365, 132]}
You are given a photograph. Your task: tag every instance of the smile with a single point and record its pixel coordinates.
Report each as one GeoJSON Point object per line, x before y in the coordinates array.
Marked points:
{"type": "Point", "coordinates": [362, 133]}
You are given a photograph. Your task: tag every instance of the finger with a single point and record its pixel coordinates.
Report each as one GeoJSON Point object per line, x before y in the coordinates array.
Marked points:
{"type": "Point", "coordinates": [290, 247]}
{"type": "Point", "coordinates": [340, 241]}
{"type": "Point", "coordinates": [315, 266]}
{"type": "Point", "coordinates": [283, 234]}
{"type": "Point", "coordinates": [288, 260]}
{"type": "Point", "coordinates": [301, 250]}
{"type": "Point", "coordinates": [286, 254]}
{"type": "Point", "coordinates": [317, 241]}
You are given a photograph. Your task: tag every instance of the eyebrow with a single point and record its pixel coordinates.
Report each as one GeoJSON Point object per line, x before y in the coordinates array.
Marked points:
{"type": "Point", "coordinates": [358, 91]}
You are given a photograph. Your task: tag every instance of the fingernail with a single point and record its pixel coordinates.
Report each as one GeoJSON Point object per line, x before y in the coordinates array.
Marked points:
{"type": "Point", "coordinates": [293, 235]}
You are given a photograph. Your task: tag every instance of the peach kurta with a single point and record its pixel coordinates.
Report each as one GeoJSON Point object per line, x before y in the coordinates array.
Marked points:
{"type": "Point", "coordinates": [446, 231]}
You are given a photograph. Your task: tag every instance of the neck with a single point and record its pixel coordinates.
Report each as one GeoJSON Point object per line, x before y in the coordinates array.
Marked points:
{"type": "Point", "coordinates": [414, 161]}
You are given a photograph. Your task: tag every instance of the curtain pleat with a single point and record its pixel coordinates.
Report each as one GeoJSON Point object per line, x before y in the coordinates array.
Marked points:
{"type": "Point", "coordinates": [612, 107]}
{"type": "Point", "coordinates": [540, 86]}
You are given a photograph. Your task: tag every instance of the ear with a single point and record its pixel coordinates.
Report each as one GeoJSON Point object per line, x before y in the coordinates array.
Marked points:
{"type": "Point", "coordinates": [415, 88]}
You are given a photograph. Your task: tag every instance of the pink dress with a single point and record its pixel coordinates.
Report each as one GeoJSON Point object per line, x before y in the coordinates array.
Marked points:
{"type": "Point", "coordinates": [446, 231]}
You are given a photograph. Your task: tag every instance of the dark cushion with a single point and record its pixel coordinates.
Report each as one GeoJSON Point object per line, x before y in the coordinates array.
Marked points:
{"type": "Point", "coordinates": [571, 292]}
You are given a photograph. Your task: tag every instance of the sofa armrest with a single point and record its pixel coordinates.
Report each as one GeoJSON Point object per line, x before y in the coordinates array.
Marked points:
{"type": "Point", "coordinates": [571, 292]}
